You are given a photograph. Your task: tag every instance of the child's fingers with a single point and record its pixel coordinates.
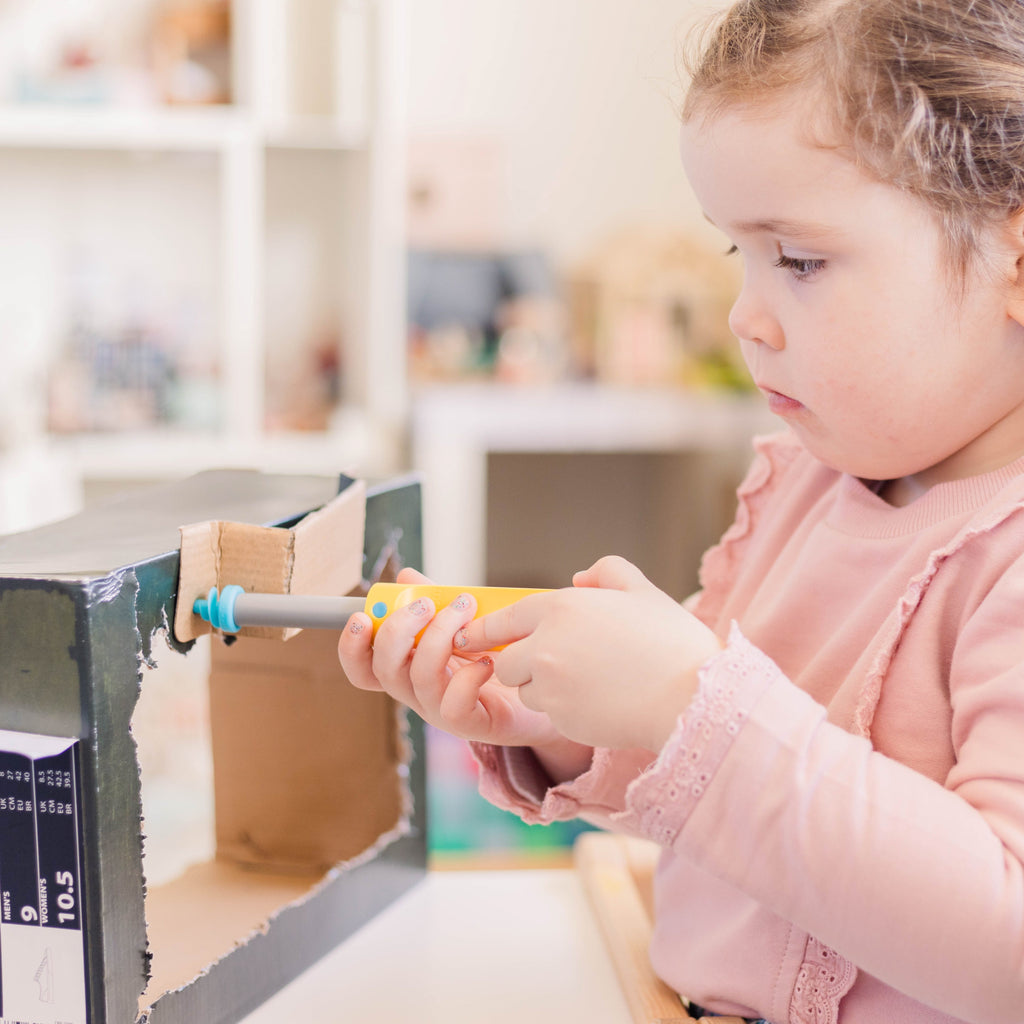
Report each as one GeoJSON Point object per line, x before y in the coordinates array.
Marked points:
{"type": "Point", "coordinates": [504, 626]}
{"type": "Point", "coordinates": [411, 576]}
{"type": "Point", "coordinates": [612, 572]}
{"type": "Point", "coordinates": [429, 669]}
{"type": "Point", "coordinates": [356, 654]}
{"type": "Point", "coordinates": [460, 707]}
{"type": "Point", "coordinates": [394, 643]}
{"type": "Point", "coordinates": [514, 665]}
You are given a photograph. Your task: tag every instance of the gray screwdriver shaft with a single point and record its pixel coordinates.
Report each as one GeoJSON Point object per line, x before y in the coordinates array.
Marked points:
{"type": "Point", "coordinates": [298, 611]}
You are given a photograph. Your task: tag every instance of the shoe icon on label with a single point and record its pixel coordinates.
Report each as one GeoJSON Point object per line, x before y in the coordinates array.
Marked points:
{"type": "Point", "coordinates": [44, 979]}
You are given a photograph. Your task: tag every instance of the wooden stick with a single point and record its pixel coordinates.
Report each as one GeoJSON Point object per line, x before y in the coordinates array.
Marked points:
{"type": "Point", "coordinates": [617, 872]}
{"type": "Point", "coordinates": [604, 869]}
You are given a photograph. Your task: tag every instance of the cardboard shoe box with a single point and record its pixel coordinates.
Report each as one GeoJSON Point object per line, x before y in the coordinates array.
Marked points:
{"type": "Point", "coordinates": [318, 787]}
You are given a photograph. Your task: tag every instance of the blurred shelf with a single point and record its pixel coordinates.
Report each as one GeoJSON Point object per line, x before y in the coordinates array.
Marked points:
{"type": "Point", "coordinates": [313, 133]}
{"type": "Point", "coordinates": [42, 127]}
{"type": "Point", "coordinates": [262, 243]}
{"type": "Point", "coordinates": [169, 454]}
{"type": "Point", "coordinates": [165, 129]}
{"type": "Point", "coordinates": [584, 417]}
{"type": "Point", "coordinates": [456, 426]}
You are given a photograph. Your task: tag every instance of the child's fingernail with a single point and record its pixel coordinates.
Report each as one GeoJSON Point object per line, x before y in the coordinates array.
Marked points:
{"type": "Point", "coordinates": [355, 626]}
{"type": "Point", "coordinates": [420, 607]}
{"type": "Point", "coordinates": [486, 662]}
{"type": "Point", "coordinates": [461, 603]}
{"type": "Point", "coordinates": [461, 639]}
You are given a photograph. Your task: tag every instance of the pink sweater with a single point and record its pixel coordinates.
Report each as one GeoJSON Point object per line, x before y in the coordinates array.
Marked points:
{"type": "Point", "coordinates": [842, 805]}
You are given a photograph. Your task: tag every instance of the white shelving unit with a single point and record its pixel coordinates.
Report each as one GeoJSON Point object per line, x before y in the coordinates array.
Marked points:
{"type": "Point", "coordinates": [273, 147]}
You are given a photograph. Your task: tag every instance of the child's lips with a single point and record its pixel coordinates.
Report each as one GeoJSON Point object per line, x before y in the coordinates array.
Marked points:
{"type": "Point", "coordinates": [780, 404]}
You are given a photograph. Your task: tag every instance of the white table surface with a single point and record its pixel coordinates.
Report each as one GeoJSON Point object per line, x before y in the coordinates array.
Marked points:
{"type": "Point", "coordinates": [488, 947]}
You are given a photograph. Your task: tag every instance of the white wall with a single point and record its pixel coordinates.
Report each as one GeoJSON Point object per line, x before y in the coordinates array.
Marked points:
{"type": "Point", "coordinates": [578, 95]}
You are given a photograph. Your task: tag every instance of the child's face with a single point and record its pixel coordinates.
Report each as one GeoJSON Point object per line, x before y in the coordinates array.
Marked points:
{"type": "Point", "coordinates": [849, 318]}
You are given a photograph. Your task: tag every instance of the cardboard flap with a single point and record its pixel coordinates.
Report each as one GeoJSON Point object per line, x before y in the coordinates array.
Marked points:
{"type": "Point", "coordinates": [306, 767]}
{"type": "Point", "coordinates": [321, 554]}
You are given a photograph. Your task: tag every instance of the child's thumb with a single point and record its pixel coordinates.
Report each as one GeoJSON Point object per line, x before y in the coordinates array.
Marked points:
{"type": "Point", "coordinates": [611, 573]}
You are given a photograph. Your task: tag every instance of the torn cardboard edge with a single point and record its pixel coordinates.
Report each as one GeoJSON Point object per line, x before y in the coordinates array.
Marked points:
{"type": "Point", "coordinates": [81, 605]}
{"type": "Point", "coordinates": [289, 819]}
{"type": "Point", "coordinates": [321, 554]}
{"type": "Point", "coordinates": [224, 905]}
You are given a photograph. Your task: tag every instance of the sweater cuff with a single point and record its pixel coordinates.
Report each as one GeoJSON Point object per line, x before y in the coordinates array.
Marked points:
{"type": "Point", "coordinates": [512, 778]}
{"type": "Point", "coordinates": [660, 801]}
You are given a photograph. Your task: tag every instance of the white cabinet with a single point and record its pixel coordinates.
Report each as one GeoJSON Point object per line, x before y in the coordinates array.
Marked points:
{"type": "Point", "coordinates": [265, 236]}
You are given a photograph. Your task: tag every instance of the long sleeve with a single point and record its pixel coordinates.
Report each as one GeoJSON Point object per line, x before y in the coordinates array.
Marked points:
{"type": "Point", "coordinates": [919, 884]}
{"type": "Point", "coordinates": [512, 778]}
{"type": "Point", "coordinates": [842, 805]}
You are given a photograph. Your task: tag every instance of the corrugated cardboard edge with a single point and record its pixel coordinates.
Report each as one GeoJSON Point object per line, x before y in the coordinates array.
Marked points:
{"type": "Point", "coordinates": [285, 892]}
{"type": "Point", "coordinates": [322, 554]}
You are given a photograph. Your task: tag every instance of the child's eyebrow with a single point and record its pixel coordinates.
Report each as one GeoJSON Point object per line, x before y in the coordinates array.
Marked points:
{"type": "Point", "coordinates": [789, 228]}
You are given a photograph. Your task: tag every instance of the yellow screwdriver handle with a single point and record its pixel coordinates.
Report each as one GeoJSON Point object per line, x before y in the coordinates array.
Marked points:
{"type": "Point", "coordinates": [384, 598]}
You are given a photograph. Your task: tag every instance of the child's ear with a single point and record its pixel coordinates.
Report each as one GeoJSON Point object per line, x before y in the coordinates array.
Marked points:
{"type": "Point", "coordinates": [1015, 303]}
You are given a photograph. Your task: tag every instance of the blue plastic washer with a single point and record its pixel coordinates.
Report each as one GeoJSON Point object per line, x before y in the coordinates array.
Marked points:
{"type": "Point", "coordinates": [226, 608]}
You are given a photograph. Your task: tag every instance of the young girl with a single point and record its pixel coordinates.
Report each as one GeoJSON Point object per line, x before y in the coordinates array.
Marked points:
{"type": "Point", "coordinates": [829, 744]}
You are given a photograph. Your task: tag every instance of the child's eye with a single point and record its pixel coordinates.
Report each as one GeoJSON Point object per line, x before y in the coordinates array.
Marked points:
{"type": "Point", "coordinates": [802, 268]}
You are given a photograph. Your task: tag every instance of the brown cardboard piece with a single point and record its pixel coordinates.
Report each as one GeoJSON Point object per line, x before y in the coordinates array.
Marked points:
{"type": "Point", "coordinates": [321, 554]}
{"type": "Point", "coordinates": [306, 778]}
{"type": "Point", "coordinates": [218, 907]}
{"type": "Point", "coordinates": [304, 763]}
{"type": "Point", "coordinates": [308, 770]}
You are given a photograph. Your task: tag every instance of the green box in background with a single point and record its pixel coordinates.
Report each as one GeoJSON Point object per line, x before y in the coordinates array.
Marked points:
{"type": "Point", "coordinates": [467, 831]}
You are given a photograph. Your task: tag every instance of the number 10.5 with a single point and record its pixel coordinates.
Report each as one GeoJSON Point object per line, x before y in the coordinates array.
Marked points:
{"type": "Point", "coordinates": [66, 899]}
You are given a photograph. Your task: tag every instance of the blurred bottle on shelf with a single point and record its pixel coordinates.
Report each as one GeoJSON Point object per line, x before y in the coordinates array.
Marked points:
{"type": "Point", "coordinates": [129, 361]}
{"type": "Point", "coordinates": [192, 52]}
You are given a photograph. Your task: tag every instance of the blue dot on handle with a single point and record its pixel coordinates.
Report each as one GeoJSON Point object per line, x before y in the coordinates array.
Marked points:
{"type": "Point", "coordinates": [379, 610]}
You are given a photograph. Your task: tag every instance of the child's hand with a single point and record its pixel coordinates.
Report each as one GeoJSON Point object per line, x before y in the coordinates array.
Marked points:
{"type": "Point", "coordinates": [612, 661]}
{"type": "Point", "coordinates": [454, 693]}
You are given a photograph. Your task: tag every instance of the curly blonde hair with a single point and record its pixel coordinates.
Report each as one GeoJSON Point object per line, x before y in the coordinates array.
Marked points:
{"type": "Point", "coordinates": [927, 95]}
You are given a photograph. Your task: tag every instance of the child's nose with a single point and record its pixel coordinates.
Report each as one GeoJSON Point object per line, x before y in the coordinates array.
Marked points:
{"type": "Point", "coordinates": [750, 319]}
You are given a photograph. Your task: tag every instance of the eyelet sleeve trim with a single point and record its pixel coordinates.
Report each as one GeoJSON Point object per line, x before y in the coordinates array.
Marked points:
{"type": "Point", "coordinates": [824, 978]}
{"type": "Point", "coordinates": [660, 801]}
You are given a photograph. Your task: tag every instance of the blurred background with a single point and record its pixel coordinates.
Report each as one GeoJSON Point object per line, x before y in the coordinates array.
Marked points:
{"type": "Point", "coordinates": [375, 236]}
